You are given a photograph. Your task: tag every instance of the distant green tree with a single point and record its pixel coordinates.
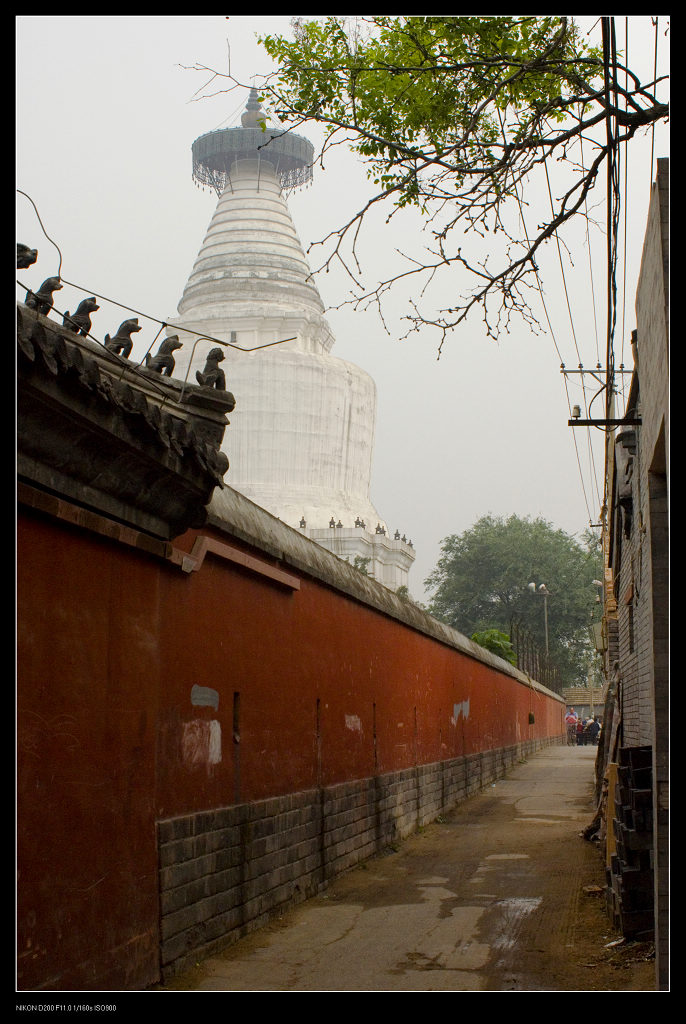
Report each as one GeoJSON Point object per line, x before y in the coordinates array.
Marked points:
{"type": "Point", "coordinates": [361, 564]}
{"type": "Point", "coordinates": [497, 643]}
{"type": "Point", "coordinates": [481, 583]}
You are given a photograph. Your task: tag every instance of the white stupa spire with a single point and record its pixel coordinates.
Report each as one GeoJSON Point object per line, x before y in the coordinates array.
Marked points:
{"type": "Point", "coordinates": [301, 438]}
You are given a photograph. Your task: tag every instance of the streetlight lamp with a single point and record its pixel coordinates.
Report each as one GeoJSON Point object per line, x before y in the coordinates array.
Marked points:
{"type": "Point", "coordinates": [545, 593]}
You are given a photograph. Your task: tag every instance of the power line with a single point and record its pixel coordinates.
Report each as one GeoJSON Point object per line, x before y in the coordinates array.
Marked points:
{"type": "Point", "coordinates": [43, 229]}
{"type": "Point", "coordinates": [578, 458]}
{"type": "Point", "coordinates": [612, 216]}
{"type": "Point", "coordinates": [610, 64]}
{"type": "Point", "coordinates": [557, 349]}
{"type": "Point", "coordinates": [593, 469]}
{"type": "Point", "coordinates": [590, 261]}
{"type": "Point", "coordinates": [626, 194]}
{"type": "Point", "coordinates": [122, 305]}
{"type": "Point", "coordinates": [562, 269]}
{"type": "Point", "coordinates": [652, 134]}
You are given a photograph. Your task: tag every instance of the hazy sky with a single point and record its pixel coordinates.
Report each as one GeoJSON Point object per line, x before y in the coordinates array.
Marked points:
{"type": "Point", "coordinates": [106, 115]}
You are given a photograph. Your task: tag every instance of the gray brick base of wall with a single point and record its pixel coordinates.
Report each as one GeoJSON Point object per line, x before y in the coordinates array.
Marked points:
{"type": "Point", "coordinates": [224, 873]}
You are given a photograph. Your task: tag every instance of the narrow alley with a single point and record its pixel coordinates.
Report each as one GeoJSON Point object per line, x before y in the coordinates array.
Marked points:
{"type": "Point", "coordinates": [503, 894]}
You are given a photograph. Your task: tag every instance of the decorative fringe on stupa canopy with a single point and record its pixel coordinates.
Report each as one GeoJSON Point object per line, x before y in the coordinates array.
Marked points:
{"type": "Point", "coordinates": [215, 153]}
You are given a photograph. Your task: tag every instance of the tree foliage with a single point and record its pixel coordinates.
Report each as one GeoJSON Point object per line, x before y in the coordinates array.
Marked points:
{"type": "Point", "coordinates": [481, 583]}
{"type": "Point", "coordinates": [361, 564]}
{"type": "Point", "coordinates": [454, 115]}
{"type": "Point", "coordinates": [496, 642]}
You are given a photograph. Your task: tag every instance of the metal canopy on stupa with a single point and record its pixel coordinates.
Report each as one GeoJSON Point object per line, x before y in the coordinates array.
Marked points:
{"type": "Point", "coordinates": [215, 153]}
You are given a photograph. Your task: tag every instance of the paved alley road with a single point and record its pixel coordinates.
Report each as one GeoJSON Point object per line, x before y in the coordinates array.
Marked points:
{"type": "Point", "coordinates": [502, 895]}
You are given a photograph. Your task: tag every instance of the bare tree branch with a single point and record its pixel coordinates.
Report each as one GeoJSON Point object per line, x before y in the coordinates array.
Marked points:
{"type": "Point", "coordinates": [507, 104]}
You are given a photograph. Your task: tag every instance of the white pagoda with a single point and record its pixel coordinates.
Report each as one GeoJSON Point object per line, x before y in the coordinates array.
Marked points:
{"type": "Point", "coordinates": [302, 434]}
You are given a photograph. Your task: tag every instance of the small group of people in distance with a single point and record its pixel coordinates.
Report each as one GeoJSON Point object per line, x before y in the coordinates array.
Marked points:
{"type": "Point", "coordinates": [581, 731]}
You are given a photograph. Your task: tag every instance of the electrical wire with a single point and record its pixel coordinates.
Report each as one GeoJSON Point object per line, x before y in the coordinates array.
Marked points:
{"type": "Point", "coordinates": [138, 312]}
{"type": "Point", "coordinates": [612, 219]}
{"type": "Point", "coordinates": [557, 349]}
{"type": "Point", "coordinates": [626, 199]}
{"type": "Point", "coordinates": [231, 116]}
{"type": "Point", "coordinates": [59, 269]}
{"type": "Point", "coordinates": [125, 364]}
{"type": "Point", "coordinates": [578, 457]}
{"type": "Point", "coordinates": [652, 134]}
{"type": "Point", "coordinates": [562, 269]}
{"type": "Point", "coordinates": [590, 262]}
{"type": "Point", "coordinates": [591, 455]}
{"type": "Point", "coordinates": [594, 472]}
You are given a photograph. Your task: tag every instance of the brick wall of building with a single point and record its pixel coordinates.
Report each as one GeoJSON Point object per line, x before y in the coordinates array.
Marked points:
{"type": "Point", "coordinates": [639, 557]}
{"type": "Point", "coordinates": [652, 318]}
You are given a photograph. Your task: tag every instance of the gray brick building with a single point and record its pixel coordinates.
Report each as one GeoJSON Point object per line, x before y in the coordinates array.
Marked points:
{"type": "Point", "coordinates": [636, 610]}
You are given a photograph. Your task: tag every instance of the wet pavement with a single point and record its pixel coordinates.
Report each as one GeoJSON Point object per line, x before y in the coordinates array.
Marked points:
{"type": "Point", "coordinates": [503, 894]}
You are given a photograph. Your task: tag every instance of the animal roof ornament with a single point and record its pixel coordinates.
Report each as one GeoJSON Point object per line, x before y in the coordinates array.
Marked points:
{"type": "Point", "coordinates": [213, 375]}
{"type": "Point", "coordinates": [163, 361]}
{"type": "Point", "coordinates": [122, 342]}
{"type": "Point", "coordinates": [42, 300]}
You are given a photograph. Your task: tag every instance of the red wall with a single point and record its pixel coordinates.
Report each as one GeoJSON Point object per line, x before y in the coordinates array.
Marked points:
{"type": "Point", "coordinates": [284, 652]}
{"type": "Point", "coordinates": [87, 699]}
{"type": "Point", "coordinates": [111, 643]}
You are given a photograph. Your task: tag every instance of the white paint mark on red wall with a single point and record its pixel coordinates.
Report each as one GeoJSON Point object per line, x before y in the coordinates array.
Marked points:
{"type": "Point", "coordinates": [201, 742]}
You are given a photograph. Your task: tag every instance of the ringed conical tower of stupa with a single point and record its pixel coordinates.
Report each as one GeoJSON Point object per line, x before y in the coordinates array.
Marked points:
{"type": "Point", "coordinates": [301, 438]}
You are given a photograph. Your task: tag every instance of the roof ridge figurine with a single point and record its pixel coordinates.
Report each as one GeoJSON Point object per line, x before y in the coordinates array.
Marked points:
{"type": "Point", "coordinates": [213, 375]}
{"type": "Point", "coordinates": [163, 361]}
{"type": "Point", "coordinates": [42, 300]}
{"type": "Point", "coordinates": [25, 257]}
{"type": "Point", "coordinates": [80, 322]}
{"type": "Point", "coordinates": [122, 342]}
